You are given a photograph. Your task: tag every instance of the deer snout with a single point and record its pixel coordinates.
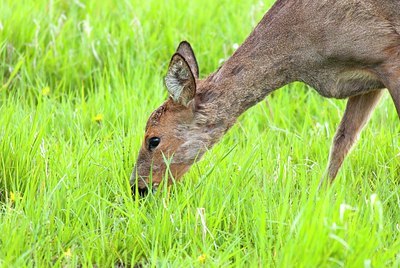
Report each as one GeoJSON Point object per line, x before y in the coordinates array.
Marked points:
{"type": "Point", "coordinates": [143, 191]}
{"type": "Point", "coordinates": [138, 182]}
{"type": "Point", "coordinates": [142, 184]}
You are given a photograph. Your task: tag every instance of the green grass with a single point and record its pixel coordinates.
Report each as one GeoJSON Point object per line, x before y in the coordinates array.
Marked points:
{"type": "Point", "coordinates": [252, 201]}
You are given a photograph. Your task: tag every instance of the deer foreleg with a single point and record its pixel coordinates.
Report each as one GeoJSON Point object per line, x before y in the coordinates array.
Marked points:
{"type": "Point", "coordinates": [390, 75]}
{"type": "Point", "coordinates": [356, 115]}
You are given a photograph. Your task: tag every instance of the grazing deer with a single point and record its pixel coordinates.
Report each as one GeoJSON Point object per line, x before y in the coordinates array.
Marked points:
{"type": "Point", "coordinates": [342, 48]}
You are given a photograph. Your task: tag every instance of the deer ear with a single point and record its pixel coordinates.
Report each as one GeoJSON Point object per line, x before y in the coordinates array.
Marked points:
{"type": "Point", "coordinates": [186, 51]}
{"type": "Point", "coordinates": [180, 80]}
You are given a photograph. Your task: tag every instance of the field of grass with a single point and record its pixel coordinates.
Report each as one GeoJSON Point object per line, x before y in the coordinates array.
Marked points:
{"type": "Point", "coordinates": [78, 80]}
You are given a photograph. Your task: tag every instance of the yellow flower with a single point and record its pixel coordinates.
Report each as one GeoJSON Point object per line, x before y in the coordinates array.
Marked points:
{"type": "Point", "coordinates": [45, 91]}
{"type": "Point", "coordinates": [68, 253]}
{"type": "Point", "coordinates": [12, 196]}
{"type": "Point", "coordinates": [15, 196]}
{"type": "Point", "coordinates": [98, 118]}
{"type": "Point", "coordinates": [202, 258]}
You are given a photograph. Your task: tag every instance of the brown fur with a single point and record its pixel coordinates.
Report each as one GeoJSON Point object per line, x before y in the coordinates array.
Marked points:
{"type": "Point", "coordinates": [342, 48]}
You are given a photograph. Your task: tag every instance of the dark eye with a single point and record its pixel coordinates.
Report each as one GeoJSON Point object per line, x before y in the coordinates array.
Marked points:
{"type": "Point", "coordinates": [153, 143]}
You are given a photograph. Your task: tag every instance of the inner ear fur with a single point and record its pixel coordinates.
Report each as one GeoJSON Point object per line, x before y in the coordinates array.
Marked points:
{"type": "Point", "coordinates": [180, 81]}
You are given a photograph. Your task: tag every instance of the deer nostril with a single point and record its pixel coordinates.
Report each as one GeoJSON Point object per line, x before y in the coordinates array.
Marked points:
{"type": "Point", "coordinates": [143, 191]}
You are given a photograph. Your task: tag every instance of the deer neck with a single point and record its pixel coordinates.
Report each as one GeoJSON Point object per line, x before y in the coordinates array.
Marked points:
{"type": "Point", "coordinates": [270, 58]}
{"type": "Point", "coordinates": [263, 63]}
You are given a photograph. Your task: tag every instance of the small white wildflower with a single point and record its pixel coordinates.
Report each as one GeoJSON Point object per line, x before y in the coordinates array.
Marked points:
{"type": "Point", "coordinates": [235, 46]}
{"type": "Point", "coordinates": [376, 207]}
{"type": "Point", "coordinates": [373, 199]}
{"type": "Point", "coordinates": [343, 208]}
{"type": "Point", "coordinates": [86, 27]}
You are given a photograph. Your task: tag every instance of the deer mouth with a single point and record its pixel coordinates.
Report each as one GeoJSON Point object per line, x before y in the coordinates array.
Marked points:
{"type": "Point", "coordinates": [141, 191]}
{"type": "Point", "coordinates": [141, 183]}
{"type": "Point", "coordinates": [144, 191]}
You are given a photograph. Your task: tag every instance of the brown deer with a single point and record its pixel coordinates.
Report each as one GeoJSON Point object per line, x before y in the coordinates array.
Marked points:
{"type": "Point", "coordinates": [342, 48]}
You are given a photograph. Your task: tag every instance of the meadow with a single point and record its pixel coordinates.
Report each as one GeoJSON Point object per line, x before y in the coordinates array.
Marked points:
{"type": "Point", "coordinates": [78, 80]}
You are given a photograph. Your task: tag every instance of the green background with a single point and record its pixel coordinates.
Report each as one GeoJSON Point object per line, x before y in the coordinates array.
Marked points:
{"type": "Point", "coordinates": [77, 83]}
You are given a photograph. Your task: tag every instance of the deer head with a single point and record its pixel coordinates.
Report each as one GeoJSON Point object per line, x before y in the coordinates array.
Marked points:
{"type": "Point", "coordinates": [178, 132]}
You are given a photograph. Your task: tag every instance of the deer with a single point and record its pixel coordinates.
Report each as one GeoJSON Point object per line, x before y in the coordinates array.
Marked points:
{"type": "Point", "coordinates": [344, 49]}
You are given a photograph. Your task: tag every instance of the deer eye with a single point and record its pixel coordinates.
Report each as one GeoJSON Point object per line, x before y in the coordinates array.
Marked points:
{"type": "Point", "coordinates": [153, 143]}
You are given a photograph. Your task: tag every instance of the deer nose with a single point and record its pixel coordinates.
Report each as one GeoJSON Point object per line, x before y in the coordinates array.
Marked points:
{"type": "Point", "coordinates": [138, 182]}
{"type": "Point", "coordinates": [142, 185]}
{"type": "Point", "coordinates": [142, 191]}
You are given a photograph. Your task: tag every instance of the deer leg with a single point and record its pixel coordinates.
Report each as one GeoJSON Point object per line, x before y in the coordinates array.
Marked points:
{"type": "Point", "coordinates": [390, 76]}
{"type": "Point", "coordinates": [356, 115]}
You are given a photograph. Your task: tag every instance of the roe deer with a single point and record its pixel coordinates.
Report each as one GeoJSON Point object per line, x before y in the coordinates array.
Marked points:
{"type": "Point", "coordinates": [342, 48]}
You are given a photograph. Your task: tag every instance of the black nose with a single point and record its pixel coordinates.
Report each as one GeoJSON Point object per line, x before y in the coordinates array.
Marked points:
{"type": "Point", "coordinates": [141, 191]}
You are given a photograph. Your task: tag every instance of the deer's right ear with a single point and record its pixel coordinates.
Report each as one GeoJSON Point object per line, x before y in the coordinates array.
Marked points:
{"type": "Point", "coordinates": [180, 81]}
{"type": "Point", "coordinates": [185, 49]}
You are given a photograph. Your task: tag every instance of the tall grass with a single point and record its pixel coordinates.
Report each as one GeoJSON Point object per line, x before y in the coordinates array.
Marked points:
{"type": "Point", "coordinates": [77, 83]}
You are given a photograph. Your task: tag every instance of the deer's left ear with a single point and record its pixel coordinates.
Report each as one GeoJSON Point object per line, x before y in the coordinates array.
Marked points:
{"type": "Point", "coordinates": [180, 81]}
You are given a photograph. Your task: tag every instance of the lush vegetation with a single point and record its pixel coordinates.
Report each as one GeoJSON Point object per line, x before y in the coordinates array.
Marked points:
{"type": "Point", "coordinates": [77, 83]}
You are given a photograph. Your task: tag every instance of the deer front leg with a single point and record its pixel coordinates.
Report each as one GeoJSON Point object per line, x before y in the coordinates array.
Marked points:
{"type": "Point", "coordinates": [356, 115]}
{"type": "Point", "coordinates": [390, 75]}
